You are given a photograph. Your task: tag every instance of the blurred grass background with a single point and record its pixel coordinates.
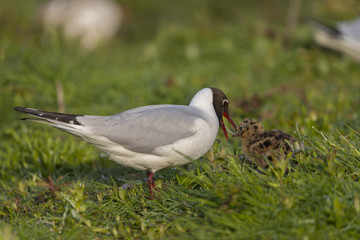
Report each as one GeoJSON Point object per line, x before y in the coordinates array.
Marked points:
{"type": "Point", "coordinates": [165, 52]}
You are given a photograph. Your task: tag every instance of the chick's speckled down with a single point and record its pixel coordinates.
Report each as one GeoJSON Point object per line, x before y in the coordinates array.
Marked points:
{"type": "Point", "coordinates": [258, 143]}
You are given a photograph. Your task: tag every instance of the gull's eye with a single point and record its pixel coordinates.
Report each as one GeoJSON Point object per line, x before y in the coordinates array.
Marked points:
{"type": "Point", "coordinates": [225, 102]}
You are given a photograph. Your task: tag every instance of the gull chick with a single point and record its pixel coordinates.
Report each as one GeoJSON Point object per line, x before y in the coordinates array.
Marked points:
{"type": "Point", "coordinates": [259, 144]}
{"type": "Point", "coordinates": [150, 137]}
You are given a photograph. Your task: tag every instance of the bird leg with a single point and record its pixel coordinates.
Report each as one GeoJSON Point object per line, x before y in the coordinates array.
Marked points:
{"type": "Point", "coordinates": [151, 183]}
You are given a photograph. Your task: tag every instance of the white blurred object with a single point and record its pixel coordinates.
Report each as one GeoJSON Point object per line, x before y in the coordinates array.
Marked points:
{"type": "Point", "coordinates": [90, 21]}
{"type": "Point", "coordinates": [344, 37]}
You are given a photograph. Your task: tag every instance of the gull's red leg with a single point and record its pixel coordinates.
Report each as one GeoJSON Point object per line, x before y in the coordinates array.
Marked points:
{"type": "Point", "coordinates": [151, 183]}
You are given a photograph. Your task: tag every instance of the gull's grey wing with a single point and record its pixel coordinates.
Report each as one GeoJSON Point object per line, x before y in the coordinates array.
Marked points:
{"type": "Point", "coordinates": [144, 129]}
{"type": "Point", "coordinates": [350, 28]}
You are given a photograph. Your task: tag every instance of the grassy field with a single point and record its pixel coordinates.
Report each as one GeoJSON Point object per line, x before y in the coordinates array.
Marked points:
{"type": "Point", "coordinates": [55, 186]}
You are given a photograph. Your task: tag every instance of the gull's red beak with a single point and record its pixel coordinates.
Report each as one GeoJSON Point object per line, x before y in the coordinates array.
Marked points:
{"type": "Point", "coordinates": [226, 115]}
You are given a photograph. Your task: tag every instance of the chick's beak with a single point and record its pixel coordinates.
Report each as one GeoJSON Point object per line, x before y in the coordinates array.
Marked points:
{"type": "Point", "coordinates": [226, 115]}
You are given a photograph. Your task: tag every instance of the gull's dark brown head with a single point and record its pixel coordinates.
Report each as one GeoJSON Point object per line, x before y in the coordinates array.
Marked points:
{"type": "Point", "coordinates": [221, 106]}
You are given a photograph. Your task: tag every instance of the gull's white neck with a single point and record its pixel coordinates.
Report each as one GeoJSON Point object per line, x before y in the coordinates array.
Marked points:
{"type": "Point", "coordinates": [203, 100]}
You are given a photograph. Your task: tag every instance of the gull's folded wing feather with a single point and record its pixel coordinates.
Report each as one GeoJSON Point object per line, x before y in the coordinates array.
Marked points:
{"type": "Point", "coordinates": [145, 129]}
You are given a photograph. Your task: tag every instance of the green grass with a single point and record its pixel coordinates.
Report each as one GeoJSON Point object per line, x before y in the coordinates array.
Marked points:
{"type": "Point", "coordinates": [55, 186]}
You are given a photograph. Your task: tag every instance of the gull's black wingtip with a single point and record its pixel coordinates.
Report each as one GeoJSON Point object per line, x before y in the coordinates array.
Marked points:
{"type": "Point", "coordinates": [19, 109]}
{"type": "Point", "coordinates": [27, 110]}
{"type": "Point", "coordinates": [52, 116]}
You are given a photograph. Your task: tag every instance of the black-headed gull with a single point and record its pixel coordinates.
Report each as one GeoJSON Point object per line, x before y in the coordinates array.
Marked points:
{"type": "Point", "coordinates": [343, 37]}
{"type": "Point", "coordinates": [151, 137]}
{"type": "Point", "coordinates": [90, 21]}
